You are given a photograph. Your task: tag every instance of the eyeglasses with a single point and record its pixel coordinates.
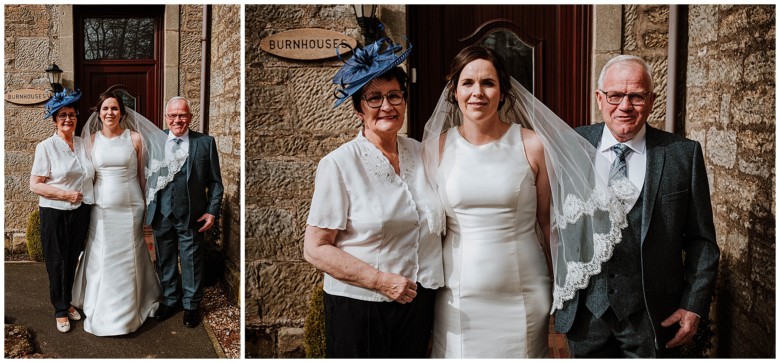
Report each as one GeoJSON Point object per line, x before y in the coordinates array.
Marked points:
{"type": "Point", "coordinates": [375, 100]}
{"type": "Point", "coordinates": [64, 116]}
{"type": "Point", "coordinates": [636, 99]}
{"type": "Point", "coordinates": [182, 116]}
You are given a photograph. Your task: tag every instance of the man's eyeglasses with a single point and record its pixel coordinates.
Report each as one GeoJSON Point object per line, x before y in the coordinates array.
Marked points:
{"type": "Point", "coordinates": [636, 99]}
{"type": "Point", "coordinates": [375, 100]}
{"type": "Point", "coordinates": [182, 116]}
{"type": "Point", "coordinates": [64, 116]}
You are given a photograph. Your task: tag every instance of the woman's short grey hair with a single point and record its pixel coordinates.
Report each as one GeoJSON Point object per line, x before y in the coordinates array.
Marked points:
{"type": "Point", "coordinates": [627, 58]}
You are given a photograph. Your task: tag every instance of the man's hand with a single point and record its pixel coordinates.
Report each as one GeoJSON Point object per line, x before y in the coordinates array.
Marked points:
{"type": "Point", "coordinates": [689, 323]}
{"type": "Point", "coordinates": [209, 218]}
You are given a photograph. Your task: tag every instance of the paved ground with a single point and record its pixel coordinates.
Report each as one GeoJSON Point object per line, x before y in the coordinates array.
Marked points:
{"type": "Point", "coordinates": [27, 303]}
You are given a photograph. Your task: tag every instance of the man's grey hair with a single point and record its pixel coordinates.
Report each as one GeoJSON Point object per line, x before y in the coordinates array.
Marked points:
{"type": "Point", "coordinates": [178, 98]}
{"type": "Point", "coordinates": [625, 58]}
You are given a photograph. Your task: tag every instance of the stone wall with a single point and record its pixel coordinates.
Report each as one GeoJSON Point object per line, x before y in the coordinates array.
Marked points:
{"type": "Point", "coordinates": [190, 31]}
{"type": "Point", "coordinates": [731, 110]}
{"type": "Point", "coordinates": [289, 126]}
{"type": "Point", "coordinates": [31, 44]}
{"type": "Point", "coordinates": [646, 34]}
{"type": "Point", "coordinates": [225, 127]}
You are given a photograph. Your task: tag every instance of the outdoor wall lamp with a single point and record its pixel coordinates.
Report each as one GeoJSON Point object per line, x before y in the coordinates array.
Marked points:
{"type": "Point", "coordinates": [366, 18]}
{"type": "Point", "coordinates": [54, 74]}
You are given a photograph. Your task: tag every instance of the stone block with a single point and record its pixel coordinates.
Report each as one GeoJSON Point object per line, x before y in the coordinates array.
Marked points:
{"type": "Point", "coordinates": [703, 24]}
{"type": "Point", "coordinates": [259, 342]}
{"type": "Point", "coordinates": [762, 263]}
{"type": "Point", "coordinates": [17, 212]}
{"type": "Point", "coordinates": [736, 195]}
{"type": "Point", "coordinates": [32, 53]}
{"type": "Point", "coordinates": [269, 108]}
{"type": "Point", "coordinates": [733, 21]}
{"type": "Point", "coordinates": [755, 107]}
{"type": "Point", "coordinates": [282, 179]}
{"type": "Point", "coordinates": [16, 161]}
{"type": "Point", "coordinates": [760, 66]}
{"type": "Point", "coordinates": [734, 246]}
{"type": "Point", "coordinates": [19, 242]}
{"type": "Point", "coordinates": [658, 15]}
{"type": "Point", "coordinates": [291, 343]}
{"type": "Point", "coordinates": [312, 97]}
{"type": "Point", "coordinates": [722, 147]}
{"type": "Point", "coordinates": [270, 234]}
{"type": "Point", "coordinates": [279, 291]}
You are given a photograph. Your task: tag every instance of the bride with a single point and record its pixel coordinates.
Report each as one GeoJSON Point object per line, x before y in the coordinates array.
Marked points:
{"type": "Point", "coordinates": [523, 208]}
{"type": "Point", "coordinates": [115, 283]}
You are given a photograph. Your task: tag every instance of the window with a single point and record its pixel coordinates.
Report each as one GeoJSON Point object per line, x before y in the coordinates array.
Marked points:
{"type": "Point", "coordinates": [118, 38]}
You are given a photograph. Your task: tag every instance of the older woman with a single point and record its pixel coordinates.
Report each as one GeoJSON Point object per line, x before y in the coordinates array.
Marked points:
{"type": "Point", "coordinates": [374, 223]}
{"type": "Point", "coordinates": [62, 177]}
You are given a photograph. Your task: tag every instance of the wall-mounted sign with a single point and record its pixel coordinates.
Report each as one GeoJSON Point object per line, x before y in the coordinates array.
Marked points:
{"type": "Point", "coordinates": [307, 43]}
{"type": "Point", "coordinates": [27, 96]}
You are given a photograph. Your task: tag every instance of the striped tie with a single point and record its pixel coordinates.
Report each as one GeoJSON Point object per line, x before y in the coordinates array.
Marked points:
{"type": "Point", "coordinates": [619, 168]}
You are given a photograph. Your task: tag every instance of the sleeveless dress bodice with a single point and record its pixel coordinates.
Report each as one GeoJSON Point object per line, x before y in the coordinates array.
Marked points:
{"type": "Point", "coordinates": [116, 284]}
{"type": "Point", "coordinates": [497, 293]}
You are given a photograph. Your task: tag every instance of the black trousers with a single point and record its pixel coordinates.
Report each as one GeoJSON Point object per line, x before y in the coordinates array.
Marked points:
{"type": "Point", "coordinates": [367, 329]}
{"type": "Point", "coordinates": [63, 234]}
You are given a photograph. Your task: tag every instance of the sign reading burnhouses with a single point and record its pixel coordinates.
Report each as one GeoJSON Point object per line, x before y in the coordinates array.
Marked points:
{"type": "Point", "coordinates": [27, 96]}
{"type": "Point", "coordinates": [307, 43]}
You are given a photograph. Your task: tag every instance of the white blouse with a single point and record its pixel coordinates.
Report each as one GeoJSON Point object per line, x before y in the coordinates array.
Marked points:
{"type": "Point", "coordinates": [391, 222]}
{"type": "Point", "coordinates": [65, 169]}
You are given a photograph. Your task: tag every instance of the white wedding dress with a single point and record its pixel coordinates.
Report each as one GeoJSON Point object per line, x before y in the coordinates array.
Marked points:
{"type": "Point", "coordinates": [116, 284]}
{"type": "Point", "coordinates": [497, 295]}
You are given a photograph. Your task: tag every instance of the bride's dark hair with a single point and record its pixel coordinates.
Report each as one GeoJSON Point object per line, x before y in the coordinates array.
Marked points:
{"type": "Point", "coordinates": [470, 54]}
{"type": "Point", "coordinates": [106, 95]}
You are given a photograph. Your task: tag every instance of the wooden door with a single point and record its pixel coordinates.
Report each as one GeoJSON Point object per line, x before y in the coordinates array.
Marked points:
{"type": "Point", "coordinates": [119, 48]}
{"type": "Point", "coordinates": [550, 46]}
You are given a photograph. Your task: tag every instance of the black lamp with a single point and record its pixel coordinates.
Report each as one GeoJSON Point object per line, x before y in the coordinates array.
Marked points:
{"type": "Point", "coordinates": [366, 18]}
{"type": "Point", "coordinates": [54, 74]}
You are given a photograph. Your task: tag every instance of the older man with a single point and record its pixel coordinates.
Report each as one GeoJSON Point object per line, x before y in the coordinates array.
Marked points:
{"type": "Point", "coordinates": [649, 297]}
{"type": "Point", "coordinates": [181, 213]}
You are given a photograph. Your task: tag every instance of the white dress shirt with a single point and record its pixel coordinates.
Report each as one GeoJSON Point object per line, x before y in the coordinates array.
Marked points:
{"type": "Point", "coordinates": [636, 160]}
{"type": "Point", "coordinates": [388, 221]}
{"type": "Point", "coordinates": [185, 141]}
{"type": "Point", "coordinates": [65, 169]}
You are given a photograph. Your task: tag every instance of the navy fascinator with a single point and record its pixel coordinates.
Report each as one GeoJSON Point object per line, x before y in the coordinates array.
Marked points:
{"type": "Point", "coordinates": [366, 64]}
{"type": "Point", "coordinates": [59, 100]}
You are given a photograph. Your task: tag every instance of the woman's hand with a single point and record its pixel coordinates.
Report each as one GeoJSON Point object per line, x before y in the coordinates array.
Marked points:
{"type": "Point", "coordinates": [72, 196]}
{"type": "Point", "coordinates": [396, 287]}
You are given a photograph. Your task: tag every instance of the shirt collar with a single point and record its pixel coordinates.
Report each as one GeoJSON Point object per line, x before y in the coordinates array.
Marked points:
{"type": "Point", "coordinates": [184, 138]}
{"type": "Point", "coordinates": [637, 144]}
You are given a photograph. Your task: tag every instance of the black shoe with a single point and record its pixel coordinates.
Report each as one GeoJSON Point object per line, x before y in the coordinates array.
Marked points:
{"type": "Point", "coordinates": [164, 312]}
{"type": "Point", "coordinates": [191, 318]}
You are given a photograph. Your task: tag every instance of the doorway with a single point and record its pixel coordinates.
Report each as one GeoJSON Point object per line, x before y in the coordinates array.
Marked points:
{"type": "Point", "coordinates": [547, 48]}
{"type": "Point", "coordinates": [119, 48]}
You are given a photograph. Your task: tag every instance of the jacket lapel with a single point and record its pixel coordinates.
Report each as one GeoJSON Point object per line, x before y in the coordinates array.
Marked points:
{"type": "Point", "coordinates": [654, 168]}
{"type": "Point", "coordinates": [192, 148]}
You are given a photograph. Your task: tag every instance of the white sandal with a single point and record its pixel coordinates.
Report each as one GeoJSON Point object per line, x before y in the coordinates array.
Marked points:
{"type": "Point", "coordinates": [74, 315]}
{"type": "Point", "coordinates": [63, 327]}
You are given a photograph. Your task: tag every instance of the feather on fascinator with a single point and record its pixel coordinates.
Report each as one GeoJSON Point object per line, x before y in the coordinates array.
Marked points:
{"type": "Point", "coordinates": [366, 64]}
{"type": "Point", "coordinates": [59, 100]}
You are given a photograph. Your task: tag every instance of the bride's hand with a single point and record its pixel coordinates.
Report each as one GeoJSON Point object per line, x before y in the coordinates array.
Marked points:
{"type": "Point", "coordinates": [396, 287]}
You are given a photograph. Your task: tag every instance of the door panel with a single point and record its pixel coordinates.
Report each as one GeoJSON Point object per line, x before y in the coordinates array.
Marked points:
{"type": "Point", "coordinates": [556, 69]}
{"type": "Point", "coordinates": [120, 47]}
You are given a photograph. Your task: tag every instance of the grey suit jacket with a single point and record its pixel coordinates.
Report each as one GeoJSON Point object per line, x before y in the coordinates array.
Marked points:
{"type": "Point", "coordinates": [679, 251]}
{"type": "Point", "coordinates": [204, 180]}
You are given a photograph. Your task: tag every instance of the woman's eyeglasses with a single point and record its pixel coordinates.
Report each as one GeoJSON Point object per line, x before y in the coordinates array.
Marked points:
{"type": "Point", "coordinates": [395, 98]}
